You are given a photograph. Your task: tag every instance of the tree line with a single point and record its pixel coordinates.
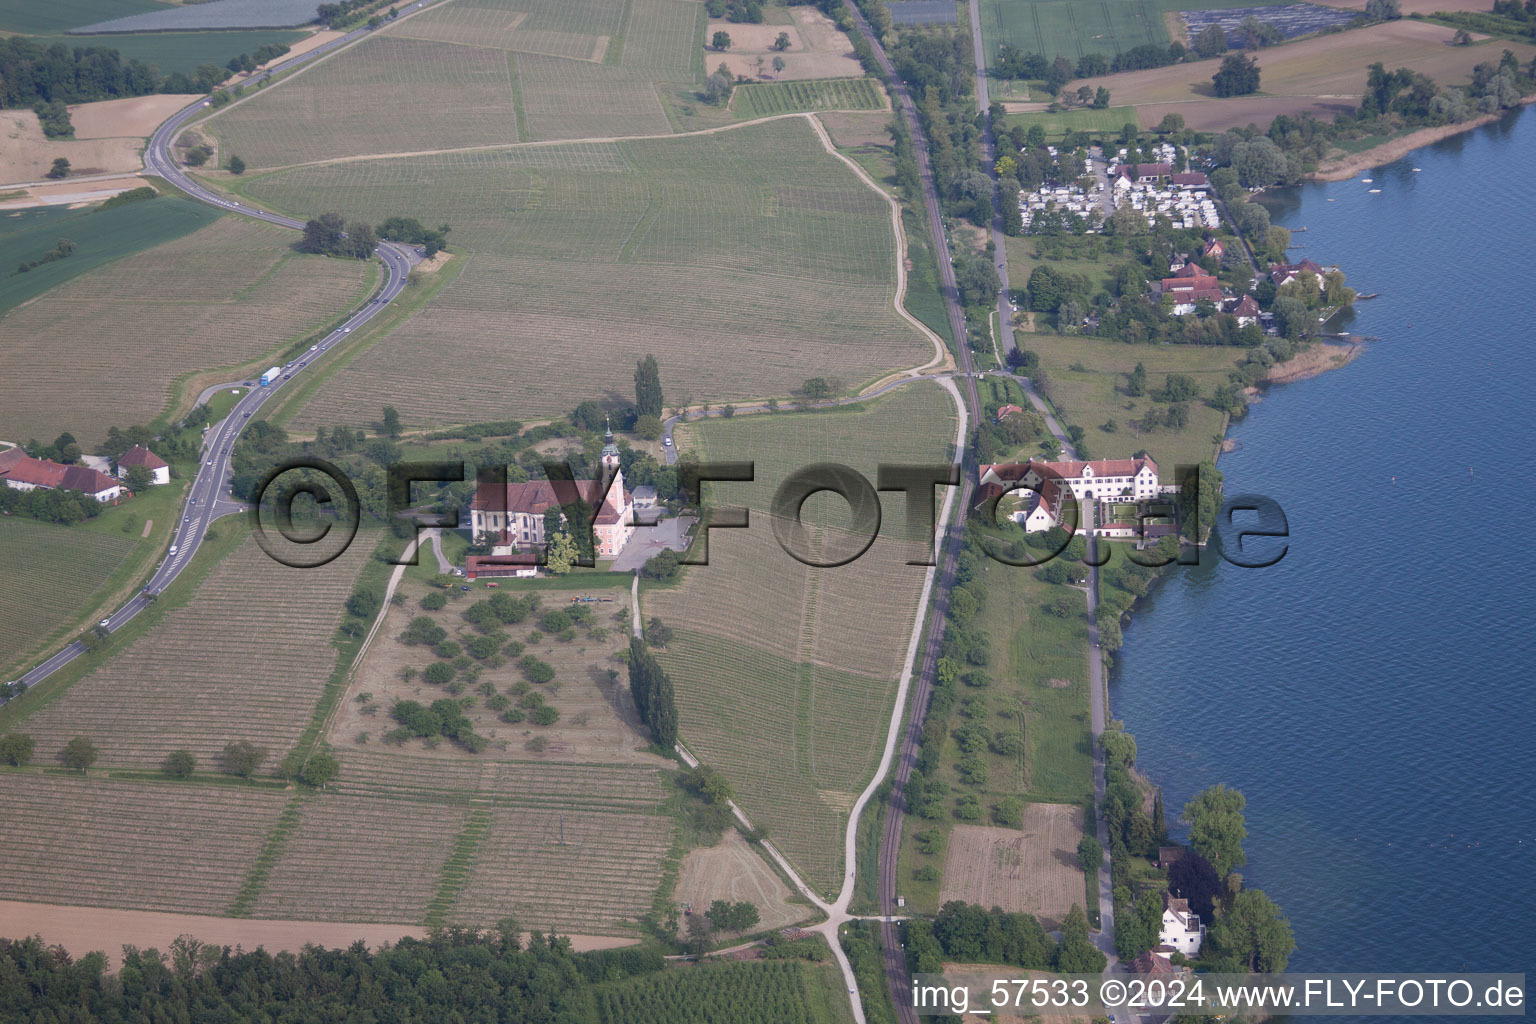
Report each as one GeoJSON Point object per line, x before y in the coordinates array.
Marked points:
{"type": "Point", "coordinates": [331, 235]}
{"type": "Point", "coordinates": [495, 976]}
{"type": "Point", "coordinates": [652, 691]}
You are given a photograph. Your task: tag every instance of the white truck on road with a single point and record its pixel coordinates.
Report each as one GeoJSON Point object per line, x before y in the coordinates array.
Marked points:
{"type": "Point", "coordinates": [270, 376]}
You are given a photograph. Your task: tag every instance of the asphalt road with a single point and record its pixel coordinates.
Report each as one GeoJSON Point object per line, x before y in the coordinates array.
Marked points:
{"type": "Point", "coordinates": [208, 497]}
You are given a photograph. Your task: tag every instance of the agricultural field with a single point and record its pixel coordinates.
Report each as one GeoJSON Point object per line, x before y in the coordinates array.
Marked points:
{"type": "Point", "coordinates": [469, 76]}
{"type": "Point", "coordinates": [180, 51]}
{"type": "Point", "coordinates": [1321, 75]}
{"type": "Point", "coordinates": [246, 659]}
{"type": "Point", "coordinates": [1079, 119]}
{"type": "Point", "coordinates": [1032, 870]}
{"type": "Point", "coordinates": [597, 723]}
{"type": "Point", "coordinates": [27, 17]}
{"type": "Point", "coordinates": [1071, 28]}
{"type": "Point", "coordinates": [785, 685]}
{"type": "Point", "coordinates": [392, 852]}
{"type": "Point", "coordinates": [224, 295]}
{"type": "Point", "coordinates": [817, 49]}
{"type": "Point", "coordinates": [587, 256]}
{"type": "Point", "coordinates": [218, 14]}
{"type": "Point", "coordinates": [576, 847]}
{"type": "Point", "coordinates": [852, 131]}
{"type": "Point", "coordinates": [52, 572]}
{"type": "Point", "coordinates": [280, 125]}
{"type": "Point", "coordinates": [100, 237]}
{"type": "Point", "coordinates": [144, 846]}
{"type": "Point", "coordinates": [1095, 395]}
{"type": "Point", "coordinates": [733, 870]}
{"type": "Point", "coordinates": [764, 992]}
{"type": "Point", "coordinates": [764, 99]}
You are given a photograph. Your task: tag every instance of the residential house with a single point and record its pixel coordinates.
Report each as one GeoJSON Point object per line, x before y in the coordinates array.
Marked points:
{"type": "Point", "coordinates": [1285, 273]}
{"type": "Point", "coordinates": [1214, 249]}
{"type": "Point", "coordinates": [1181, 928]}
{"type": "Point", "coordinates": [1191, 180]}
{"type": "Point", "coordinates": [1246, 309]}
{"type": "Point", "coordinates": [1190, 286]}
{"type": "Point", "coordinates": [1008, 410]}
{"type": "Point", "coordinates": [138, 455]}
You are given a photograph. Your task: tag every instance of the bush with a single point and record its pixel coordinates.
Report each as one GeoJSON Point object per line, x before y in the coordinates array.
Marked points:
{"type": "Point", "coordinates": [535, 669]}
{"type": "Point", "coordinates": [434, 601]}
{"type": "Point", "coordinates": [544, 714]}
{"type": "Point", "coordinates": [179, 764]}
{"type": "Point", "coordinates": [438, 673]}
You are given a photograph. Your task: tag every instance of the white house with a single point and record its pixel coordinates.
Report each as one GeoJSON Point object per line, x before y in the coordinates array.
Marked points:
{"type": "Point", "coordinates": [1181, 929]}
{"type": "Point", "coordinates": [138, 455]}
{"type": "Point", "coordinates": [1046, 485]}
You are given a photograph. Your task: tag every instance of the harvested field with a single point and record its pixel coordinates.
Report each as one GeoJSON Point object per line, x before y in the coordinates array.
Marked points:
{"type": "Point", "coordinates": [245, 660]}
{"type": "Point", "coordinates": [733, 870]}
{"type": "Point", "coordinates": [816, 48]}
{"type": "Point", "coordinates": [598, 722]}
{"type": "Point", "coordinates": [52, 572]}
{"type": "Point", "coordinates": [1323, 75]}
{"type": "Point", "coordinates": [1071, 28]}
{"type": "Point", "coordinates": [1034, 870]}
{"type": "Point", "coordinates": [85, 929]}
{"type": "Point", "coordinates": [334, 109]}
{"type": "Point", "coordinates": [135, 117]}
{"type": "Point", "coordinates": [850, 130]}
{"type": "Point", "coordinates": [27, 17]}
{"type": "Point", "coordinates": [142, 846]}
{"type": "Point", "coordinates": [104, 348]}
{"type": "Point", "coordinates": [785, 685]}
{"type": "Point", "coordinates": [25, 155]}
{"type": "Point", "coordinates": [392, 852]}
{"type": "Point", "coordinates": [584, 257]}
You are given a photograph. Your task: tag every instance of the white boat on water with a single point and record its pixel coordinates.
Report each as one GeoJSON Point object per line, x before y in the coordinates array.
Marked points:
{"type": "Point", "coordinates": [1374, 191]}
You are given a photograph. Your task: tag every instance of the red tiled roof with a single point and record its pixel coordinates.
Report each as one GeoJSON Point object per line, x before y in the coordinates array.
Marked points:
{"type": "Point", "coordinates": [535, 497]}
{"type": "Point", "coordinates": [1008, 410]}
{"type": "Point", "coordinates": [1191, 270]}
{"type": "Point", "coordinates": [138, 455]}
{"type": "Point", "coordinates": [1152, 963]}
{"type": "Point", "coordinates": [47, 473]}
{"type": "Point", "coordinates": [10, 457]}
{"type": "Point", "coordinates": [1246, 306]}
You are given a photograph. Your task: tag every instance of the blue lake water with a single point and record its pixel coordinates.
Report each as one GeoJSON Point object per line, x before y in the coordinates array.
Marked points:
{"type": "Point", "coordinates": [1369, 693]}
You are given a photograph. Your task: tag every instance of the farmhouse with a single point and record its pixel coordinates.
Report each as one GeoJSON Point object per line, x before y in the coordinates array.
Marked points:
{"type": "Point", "coordinates": [1181, 928]}
{"type": "Point", "coordinates": [1214, 248]}
{"type": "Point", "coordinates": [1005, 411]}
{"type": "Point", "coordinates": [514, 518]}
{"type": "Point", "coordinates": [21, 472]}
{"type": "Point", "coordinates": [138, 455]}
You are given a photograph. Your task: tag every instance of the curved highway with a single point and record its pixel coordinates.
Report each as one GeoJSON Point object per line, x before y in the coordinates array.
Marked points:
{"type": "Point", "coordinates": [208, 497]}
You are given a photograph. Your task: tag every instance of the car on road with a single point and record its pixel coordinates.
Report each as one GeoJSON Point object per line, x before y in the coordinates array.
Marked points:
{"type": "Point", "coordinates": [346, 330]}
{"type": "Point", "coordinates": [287, 375]}
{"type": "Point", "coordinates": [173, 549]}
{"type": "Point", "coordinates": [667, 441]}
{"type": "Point", "coordinates": [250, 384]}
{"type": "Point", "coordinates": [246, 416]}
{"type": "Point", "coordinates": [104, 623]}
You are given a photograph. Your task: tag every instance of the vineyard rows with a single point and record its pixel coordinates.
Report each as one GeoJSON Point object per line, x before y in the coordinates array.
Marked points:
{"type": "Point", "coordinates": [133, 845]}
{"type": "Point", "coordinates": [591, 873]}
{"type": "Point", "coordinates": [441, 96]}
{"type": "Point", "coordinates": [662, 36]}
{"type": "Point", "coordinates": [51, 572]}
{"type": "Point", "coordinates": [536, 784]}
{"type": "Point", "coordinates": [578, 99]}
{"type": "Point", "coordinates": [764, 992]}
{"type": "Point", "coordinates": [97, 351]}
{"type": "Point", "coordinates": [763, 99]}
{"type": "Point", "coordinates": [688, 252]}
{"type": "Point", "coordinates": [360, 859]}
{"type": "Point", "coordinates": [245, 660]}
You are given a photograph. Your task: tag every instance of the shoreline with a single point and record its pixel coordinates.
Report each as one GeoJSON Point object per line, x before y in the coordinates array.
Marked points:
{"type": "Point", "coordinates": [1319, 358]}
{"type": "Point", "coordinates": [1398, 148]}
